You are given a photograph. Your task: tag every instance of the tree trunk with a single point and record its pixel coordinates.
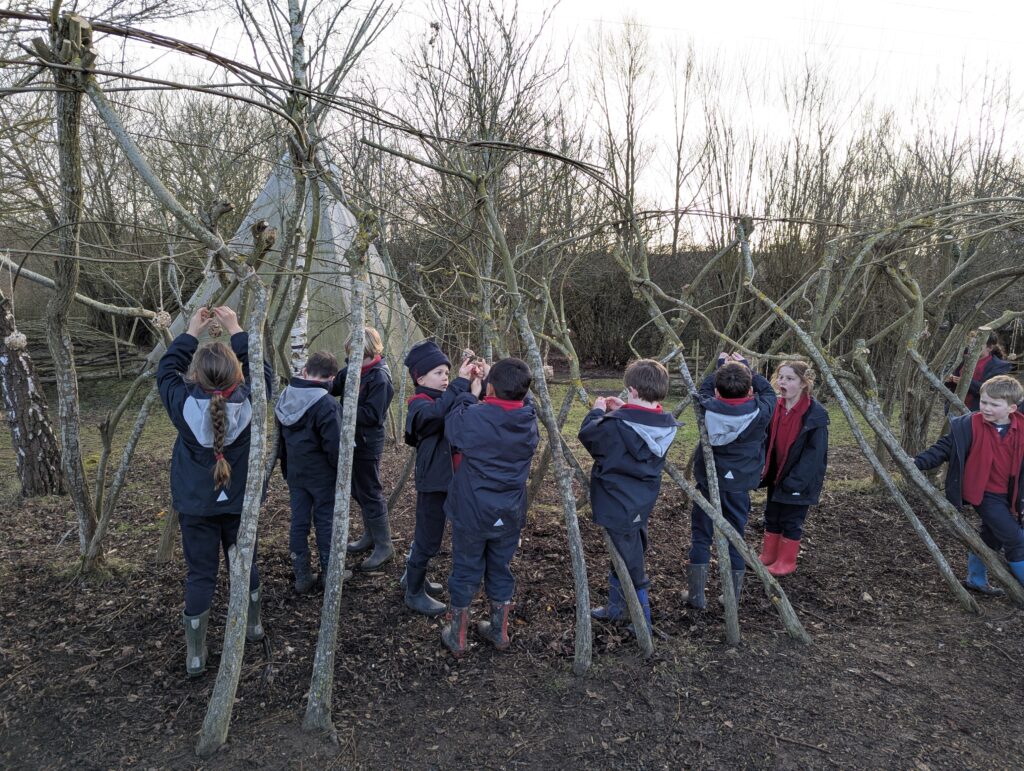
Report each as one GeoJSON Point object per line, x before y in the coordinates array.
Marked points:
{"type": "Point", "coordinates": [321, 686]}
{"type": "Point", "coordinates": [240, 555]}
{"type": "Point", "coordinates": [36, 451]}
{"type": "Point", "coordinates": [70, 34]}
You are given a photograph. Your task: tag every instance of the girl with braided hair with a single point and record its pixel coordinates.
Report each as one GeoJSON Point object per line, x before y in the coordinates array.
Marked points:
{"type": "Point", "coordinates": [205, 391]}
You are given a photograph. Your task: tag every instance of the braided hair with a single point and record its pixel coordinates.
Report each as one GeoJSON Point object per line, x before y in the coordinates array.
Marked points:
{"type": "Point", "coordinates": [216, 370]}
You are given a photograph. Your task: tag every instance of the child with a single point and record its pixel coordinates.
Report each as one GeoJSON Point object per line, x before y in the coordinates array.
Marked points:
{"type": "Point", "coordinates": [375, 393]}
{"type": "Point", "coordinates": [738, 407]}
{"type": "Point", "coordinates": [206, 395]}
{"type": "Point", "coordinates": [629, 442]}
{"type": "Point", "coordinates": [985, 452]}
{"type": "Point", "coordinates": [424, 430]}
{"type": "Point", "coordinates": [991, 364]}
{"type": "Point", "coordinates": [487, 497]}
{"type": "Point", "coordinates": [796, 456]}
{"type": "Point", "coordinates": [309, 423]}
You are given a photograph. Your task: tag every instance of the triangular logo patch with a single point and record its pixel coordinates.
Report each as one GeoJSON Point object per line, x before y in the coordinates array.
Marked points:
{"type": "Point", "coordinates": [728, 475]}
{"type": "Point", "coordinates": [222, 497]}
{"type": "Point", "coordinates": [637, 518]}
{"type": "Point", "coordinates": [499, 523]}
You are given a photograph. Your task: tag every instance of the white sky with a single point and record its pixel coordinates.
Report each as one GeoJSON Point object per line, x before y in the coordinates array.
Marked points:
{"type": "Point", "coordinates": [883, 51]}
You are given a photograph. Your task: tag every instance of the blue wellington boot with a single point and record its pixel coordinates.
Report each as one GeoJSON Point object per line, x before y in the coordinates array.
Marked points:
{"type": "Point", "coordinates": [645, 603]}
{"type": "Point", "coordinates": [977, 577]}
{"type": "Point", "coordinates": [615, 610]}
{"type": "Point", "coordinates": [1017, 568]}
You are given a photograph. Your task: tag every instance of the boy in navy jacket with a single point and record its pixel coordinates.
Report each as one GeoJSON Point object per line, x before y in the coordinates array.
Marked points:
{"type": "Point", "coordinates": [424, 430]}
{"type": "Point", "coordinates": [738, 408]}
{"type": "Point", "coordinates": [205, 391]}
{"type": "Point", "coordinates": [487, 496]}
{"type": "Point", "coordinates": [629, 442]}
{"type": "Point", "coordinates": [985, 453]}
{"type": "Point", "coordinates": [375, 394]}
{"type": "Point", "coordinates": [991, 364]}
{"type": "Point", "coordinates": [309, 423]}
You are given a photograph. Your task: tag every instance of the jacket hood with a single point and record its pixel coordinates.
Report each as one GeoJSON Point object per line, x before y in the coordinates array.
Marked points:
{"type": "Point", "coordinates": [724, 428]}
{"type": "Point", "coordinates": [297, 398]}
{"type": "Point", "coordinates": [655, 429]}
{"type": "Point", "coordinates": [196, 412]}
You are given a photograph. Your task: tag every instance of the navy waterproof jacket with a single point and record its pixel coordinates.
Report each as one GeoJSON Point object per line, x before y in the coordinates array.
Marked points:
{"type": "Point", "coordinates": [995, 366]}
{"type": "Point", "coordinates": [488, 491]}
{"type": "Point", "coordinates": [953, 448]}
{"type": "Point", "coordinates": [309, 422]}
{"type": "Point", "coordinates": [629, 447]}
{"type": "Point", "coordinates": [803, 476]}
{"type": "Point", "coordinates": [424, 430]}
{"type": "Point", "coordinates": [375, 394]}
{"type": "Point", "coordinates": [737, 433]}
{"type": "Point", "coordinates": [188, 405]}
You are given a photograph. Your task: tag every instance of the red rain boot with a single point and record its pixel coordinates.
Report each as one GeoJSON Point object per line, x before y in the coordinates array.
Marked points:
{"type": "Point", "coordinates": [786, 561]}
{"type": "Point", "coordinates": [770, 548]}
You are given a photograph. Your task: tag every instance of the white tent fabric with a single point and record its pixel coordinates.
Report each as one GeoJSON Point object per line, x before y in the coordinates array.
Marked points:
{"type": "Point", "coordinates": [323, 319]}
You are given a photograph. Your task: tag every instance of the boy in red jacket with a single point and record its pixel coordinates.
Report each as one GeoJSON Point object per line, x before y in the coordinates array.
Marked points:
{"type": "Point", "coordinates": [985, 452]}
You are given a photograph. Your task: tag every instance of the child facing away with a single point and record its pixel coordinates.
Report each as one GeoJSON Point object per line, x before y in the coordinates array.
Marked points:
{"type": "Point", "coordinates": [985, 453]}
{"type": "Point", "coordinates": [486, 503]}
{"type": "Point", "coordinates": [375, 394]}
{"type": "Point", "coordinates": [738, 406]}
{"type": "Point", "coordinates": [991, 364]}
{"type": "Point", "coordinates": [309, 424]}
{"type": "Point", "coordinates": [424, 430]}
{"type": "Point", "coordinates": [629, 442]}
{"type": "Point", "coordinates": [205, 391]}
{"type": "Point", "coordinates": [796, 455]}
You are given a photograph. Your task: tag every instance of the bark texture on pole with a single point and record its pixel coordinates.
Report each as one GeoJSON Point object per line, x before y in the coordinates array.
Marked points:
{"type": "Point", "coordinates": [37, 454]}
{"type": "Point", "coordinates": [732, 615]}
{"type": "Point", "coordinates": [563, 470]}
{"type": "Point", "coordinates": [70, 39]}
{"type": "Point", "coordinates": [240, 556]}
{"type": "Point", "coordinates": [636, 611]}
{"type": "Point", "coordinates": [321, 686]}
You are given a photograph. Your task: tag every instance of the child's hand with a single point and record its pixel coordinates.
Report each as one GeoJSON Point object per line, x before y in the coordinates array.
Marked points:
{"type": "Point", "coordinates": [954, 379]}
{"type": "Point", "coordinates": [601, 403]}
{"type": "Point", "coordinates": [613, 403]}
{"type": "Point", "coordinates": [475, 387]}
{"type": "Point", "coordinates": [228, 319]}
{"type": "Point", "coordinates": [199, 321]}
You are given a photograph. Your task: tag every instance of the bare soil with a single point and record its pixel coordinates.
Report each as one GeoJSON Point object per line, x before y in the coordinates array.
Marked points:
{"type": "Point", "coordinates": [92, 676]}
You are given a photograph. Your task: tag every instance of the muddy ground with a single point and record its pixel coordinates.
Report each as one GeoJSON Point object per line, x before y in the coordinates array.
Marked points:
{"type": "Point", "coordinates": [898, 676]}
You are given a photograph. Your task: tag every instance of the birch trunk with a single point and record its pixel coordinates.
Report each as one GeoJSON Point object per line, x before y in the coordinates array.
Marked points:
{"type": "Point", "coordinates": [37, 454]}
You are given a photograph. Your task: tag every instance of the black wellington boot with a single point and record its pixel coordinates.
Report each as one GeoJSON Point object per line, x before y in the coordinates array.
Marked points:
{"type": "Point", "coordinates": [416, 597]}
{"type": "Point", "coordinates": [383, 549]}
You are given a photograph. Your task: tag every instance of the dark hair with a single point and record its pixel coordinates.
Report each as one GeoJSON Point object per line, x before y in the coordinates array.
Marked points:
{"type": "Point", "coordinates": [322, 364]}
{"type": "Point", "coordinates": [649, 378]}
{"type": "Point", "coordinates": [511, 378]}
{"type": "Point", "coordinates": [216, 368]}
{"type": "Point", "coordinates": [997, 350]}
{"type": "Point", "coordinates": [733, 380]}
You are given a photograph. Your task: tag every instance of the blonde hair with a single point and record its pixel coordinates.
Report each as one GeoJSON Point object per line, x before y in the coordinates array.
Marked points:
{"type": "Point", "coordinates": [215, 368]}
{"type": "Point", "coordinates": [1003, 387]}
{"type": "Point", "coordinates": [803, 371]}
{"type": "Point", "coordinates": [372, 345]}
